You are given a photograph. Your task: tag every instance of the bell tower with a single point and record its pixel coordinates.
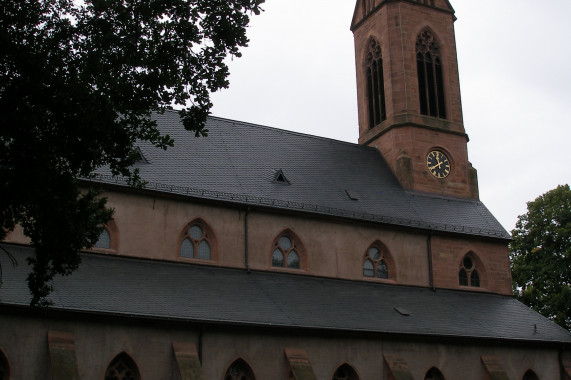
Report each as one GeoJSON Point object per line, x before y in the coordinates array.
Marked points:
{"type": "Point", "coordinates": [409, 93]}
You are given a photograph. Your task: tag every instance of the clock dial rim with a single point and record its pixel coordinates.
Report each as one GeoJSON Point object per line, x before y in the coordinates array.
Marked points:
{"type": "Point", "coordinates": [439, 172]}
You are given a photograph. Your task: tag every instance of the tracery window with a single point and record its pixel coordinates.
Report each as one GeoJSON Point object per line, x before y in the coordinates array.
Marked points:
{"type": "Point", "coordinates": [375, 83]}
{"type": "Point", "coordinates": [468, 275]}
{"type": "Point", "coordinates": [197, 241]}
{"type": "Point", "coordinates": [122, 368]}
{"type": "Point", "coordinates": [287, 251]}
{"type": "Point", "coordinates": [377, 260]}
{"type": "Point", "coordinates": [530, 375]}
{"type": "Point", "coordinates": [239, 370]}
{"type": "Point", "coordinates": [430, 77]}
{"type": "Point", "coordinates": [345, 372]}
{"type": "Point", "coordinates": [434, 374]}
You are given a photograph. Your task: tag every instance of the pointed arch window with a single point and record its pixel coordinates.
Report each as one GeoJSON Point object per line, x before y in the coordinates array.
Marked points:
{"type": "Point", "coordinates": [239, 370]}
{"type": "Point", "coordinates": [287, 251]}
{"type": "Point", "coordinates": [108, 239]}
{"type": "Point", "coordinates": [123, 367]}
{"type": "Point", "coordinates": [104, 240]}
{"type": "Point", "coordinates": [4, 366]}
{"type": "Point", "coordinates": [468, 275]}
{"type": "Point", "coordinates": [375, 83]}
{"type": "Point", "coordinates": [345, 372]}
{"type": "Point", "coordinates": [378, 262]}
{"type": "Point", "coordinates": [430, 77]}
{"type": "Point", "coordinates": [198, 241]}
{"type": "Point", "coordinates": [530, 375]}
{"type": "Point", "coordinates": [434, 374]}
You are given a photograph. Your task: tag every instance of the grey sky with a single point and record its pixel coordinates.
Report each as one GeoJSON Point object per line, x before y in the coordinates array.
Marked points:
{"type": "Point", "coordinates": [299, 74]}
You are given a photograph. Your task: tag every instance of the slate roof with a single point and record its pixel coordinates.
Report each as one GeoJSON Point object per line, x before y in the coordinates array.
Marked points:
{"type": "Point", "coordinates": [117, 285]}
{"type": "Point", "coordinates": [238, 163]}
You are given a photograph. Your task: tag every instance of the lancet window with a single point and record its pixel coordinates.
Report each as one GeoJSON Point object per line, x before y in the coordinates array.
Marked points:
{"type": "Point", "coordinates": [197, 241]}
{"type": "Point", "coordinates": [434, 374]}
{"type": "Point", "coordinates": [239, 370]}
{"type": "Point", "coordinates": [468, 275]}
{"type": "Point", "coordinates": [122, 368]}
{"type": "Point", "coordinates": [345, 372]}
{"type": "Point", "coordinates": [287, 251]}
{"type": "Point", "coordinates": [430, 75]}
{"type": "Point", "coordinates": [375, 83]}
{"type": "Point", "coordinates": [377, 262]}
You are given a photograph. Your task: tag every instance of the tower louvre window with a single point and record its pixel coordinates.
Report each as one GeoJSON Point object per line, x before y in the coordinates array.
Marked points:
{"type": "Point", "coordinates": [375, 83]}
{"type": "Point", "coordinates": [430, 78]}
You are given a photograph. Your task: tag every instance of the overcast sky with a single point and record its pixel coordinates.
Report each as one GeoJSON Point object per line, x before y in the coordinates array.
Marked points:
{"type": "Point", "coordinates": [298, 73]}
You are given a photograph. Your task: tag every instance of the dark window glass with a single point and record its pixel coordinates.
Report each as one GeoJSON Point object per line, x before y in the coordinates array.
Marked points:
{"type": "Point", "coordinates": [375, 84]}
{"type": "Point", "coordinates": [468, 262]}
{"type": "Point", "coordinates": [285, 253]}
{"type": "Point", "coordinates": [463, 276]}
{"type": "Point", "coordinates": [293, 260]}
{"type": "Point", "coordinates": [382, 270]}
{"type": "Point", "coordinates": [468, 275]}
{"type": "Point", "coordinates": [195, 244]}
{"type": "Point", "coordinates": [375, 264]}
{"type": "Point", "coordinates": [186, 249]}
{"type": "Point", "coordinates": [433, 374]}
{"type": "Point", "coordinates": [122, 368]}
{"type": "Point", "coordinates": [239, 370]}
{"type": "Point", "coordinates": [104, 240]}
{"type": "Point", "coordinates": [368, 269]}
{"type": "Point", "coordinates": [430, 76]}
{"type": "Point", "coordinates": [475, 279]}
{"type": "Point", "coordinates": [345, 372]}
{"type": "Point", "coordinates": [530, 375]}
{"type": "Point", "coordinates": [277, 258]}
{"type": "Point", "coordinates": [204, 250]}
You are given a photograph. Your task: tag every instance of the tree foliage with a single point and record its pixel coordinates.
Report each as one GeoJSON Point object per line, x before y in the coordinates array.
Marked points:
{"type": "Point", "coordinates": [79, 81]}
{"type": "Point", "coordinates": [541, 255]}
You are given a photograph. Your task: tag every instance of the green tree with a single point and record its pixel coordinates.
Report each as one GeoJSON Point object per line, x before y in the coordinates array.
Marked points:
{"type": "Point", "coordinates": [541, 256]}
{"type": "Point", "coordinates": [79, 81]}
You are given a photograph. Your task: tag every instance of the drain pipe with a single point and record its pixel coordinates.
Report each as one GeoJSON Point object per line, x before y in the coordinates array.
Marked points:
{"type": "Point", "coordinates": [429, 252]}
{"type": "Point", "coordinates": [246, 253]}
{"type": "Point", "coordinates": [200, 343]}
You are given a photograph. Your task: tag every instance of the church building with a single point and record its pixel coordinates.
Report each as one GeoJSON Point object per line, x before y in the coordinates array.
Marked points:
{"type": "Point", "coordinates": [259, 253]}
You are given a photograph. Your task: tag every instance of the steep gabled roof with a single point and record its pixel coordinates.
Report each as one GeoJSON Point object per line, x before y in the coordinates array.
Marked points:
{"type": "Point", "coordinates": [253, 165]}
{"type": "Point", "coordinates": [120, 286]}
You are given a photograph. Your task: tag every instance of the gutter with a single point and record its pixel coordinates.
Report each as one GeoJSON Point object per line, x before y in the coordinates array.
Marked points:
{"type": "Point", "coordinates": [429, 254]}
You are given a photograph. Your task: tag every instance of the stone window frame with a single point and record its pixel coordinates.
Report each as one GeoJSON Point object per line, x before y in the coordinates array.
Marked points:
{"type": "Point", "coordinates": [475, 275]}
{"type": "Point", "coordinates": [125, 359]}
{"type": "Point", "coordinates": [296, 246]}
{"type": "Point", "coordinates": [385, 256]}
{"type": "Point", "coordinates": [113, 233]}
{"type": "Point", "coordinates": [434, 373]}
{"type": "Point", "coordinates": [240, 360]}
{"type": "Point", "coordinates": [430, 74]}
{"type": "Point", "coordinates": [5, 365]}
{"type": "Point", "coordinates": [375, 82]}
{"type": "Point", "coordinates": [208, 235]}
{"type": "Point", "coordinates": [353, 375]}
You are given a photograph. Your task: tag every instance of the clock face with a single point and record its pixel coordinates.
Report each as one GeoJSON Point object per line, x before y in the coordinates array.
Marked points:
{"type": "Point", "coordinates": [438, 164]}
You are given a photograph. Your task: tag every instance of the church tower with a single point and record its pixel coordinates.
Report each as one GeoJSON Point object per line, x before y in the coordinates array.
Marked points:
{"type": "Point", "coordinates": [409, 93]}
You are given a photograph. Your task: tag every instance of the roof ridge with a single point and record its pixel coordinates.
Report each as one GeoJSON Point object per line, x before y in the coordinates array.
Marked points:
{"type": "Point", "coordinates": [287, 131]}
